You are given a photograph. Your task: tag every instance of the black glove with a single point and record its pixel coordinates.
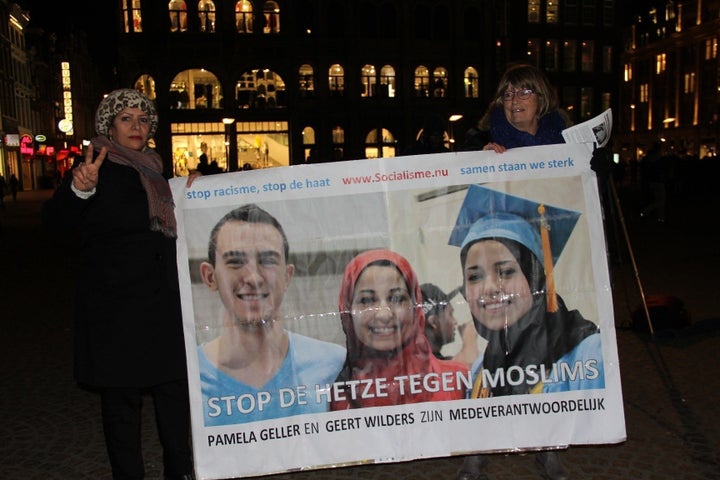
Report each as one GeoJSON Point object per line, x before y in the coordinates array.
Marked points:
{"type": "Point", "coordinates": [602, 161]}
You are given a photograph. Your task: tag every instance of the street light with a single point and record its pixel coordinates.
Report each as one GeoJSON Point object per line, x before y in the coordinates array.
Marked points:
{"type": "Point", "coordinates": [453, 118]}
{"type": "Point", "coordinates": [667, 121]}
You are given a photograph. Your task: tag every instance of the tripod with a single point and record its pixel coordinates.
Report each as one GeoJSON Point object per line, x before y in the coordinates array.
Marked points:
{"type": "Point", "coordinates": [615, 212]}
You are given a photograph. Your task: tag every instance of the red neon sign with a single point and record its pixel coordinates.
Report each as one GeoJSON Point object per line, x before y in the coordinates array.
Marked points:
{"type": "Point", "coordinates": [26, 145]}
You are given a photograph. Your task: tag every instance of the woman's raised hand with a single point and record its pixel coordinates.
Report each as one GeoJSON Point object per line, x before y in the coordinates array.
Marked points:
{"type": "Point", "coordinates": [85, 175]}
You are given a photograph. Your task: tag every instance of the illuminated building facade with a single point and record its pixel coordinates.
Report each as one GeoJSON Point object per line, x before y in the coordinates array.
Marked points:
{"type": "Point", "coordinates": [268, 83]}
{"type": "Point", "coordinates": [670, 86]}
{"type": "Point", "coordinates": [271, 83]}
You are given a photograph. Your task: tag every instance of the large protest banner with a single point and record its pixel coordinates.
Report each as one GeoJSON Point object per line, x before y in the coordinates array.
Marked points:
{"type": "Point", "coordinates": [250, 426]}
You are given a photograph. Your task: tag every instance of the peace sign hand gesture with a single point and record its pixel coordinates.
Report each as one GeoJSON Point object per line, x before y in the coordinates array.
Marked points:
{"type": "Point", "coordinates": [85, 175]}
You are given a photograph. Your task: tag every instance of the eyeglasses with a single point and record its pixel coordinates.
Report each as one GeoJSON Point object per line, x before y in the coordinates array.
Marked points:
{"type": "Point", "coordinates": [522, 94]}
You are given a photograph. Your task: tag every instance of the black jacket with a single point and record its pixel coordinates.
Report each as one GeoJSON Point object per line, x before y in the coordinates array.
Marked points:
{"type": "Point", "coordinates": [128, 330]}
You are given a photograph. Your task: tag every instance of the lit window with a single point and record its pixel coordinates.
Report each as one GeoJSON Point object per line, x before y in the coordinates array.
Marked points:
{"type": "Point", "coordinates": [306, 79]}
{"type": "Point", "coordinates": [367, 80]}
{"type": "Point", "coordinates": [660, 63]}
{"type": "Point", "coordinates": [206, 12]}
{"type": "Point", "coordinates": [440, 82]}
{"type": "Point", "coordinates": [689, 82]}
{"type": "Point", "coordinates": [551, 11]}
{"type": "Point", "coordinates": [271, 10]}
{"type": "Point", "coordinates": [644, 93]}
{"type": "Point", "coordinates": [387, 82]}
{"type": "Point", "coordinates": [308, 140]}
{"type": "Point", "coordinates": [244, 16]}
{"type": "Point", "coordinates": [472, 83]}
{"type": "Point", "coordinates": [146, 85]}
{"type": "Point", "coordinates": [178, 16]}
{"type": "Point", "coordinates": [132, 14]}
{"type": "Point", "coordinates": [711, 48]}
{"type": "Point", "coordinates": [379, 143]}
{"type": "Point", "coordinates": [533, 11]}
{"type": "Point", "coordinates": [422, 82]}
{"type": "Point", "coordinates": [195, 88]}
{"type": "Point", "coordinates": [260, 89]}
{"type": "Point", "coordinates": [628, 72]}
{"type": "Point", "coordinates": [336, 80]}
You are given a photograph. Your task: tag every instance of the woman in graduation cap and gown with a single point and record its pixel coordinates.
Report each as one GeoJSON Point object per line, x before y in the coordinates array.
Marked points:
{"type": "Point", "coordinates": [509, 246]}
{"type": "Point", "coordinates": [381, 311]}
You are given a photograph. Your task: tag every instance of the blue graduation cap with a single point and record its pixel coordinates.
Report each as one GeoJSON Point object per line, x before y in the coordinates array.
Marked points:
{"type": "Point", "coordinates": [544, 229]}
{"type": "Point", "coordinates": [487, 213]}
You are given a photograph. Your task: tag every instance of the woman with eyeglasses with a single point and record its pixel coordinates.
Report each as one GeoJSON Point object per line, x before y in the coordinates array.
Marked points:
{"type": "Point", "coordinates": [524, 111]}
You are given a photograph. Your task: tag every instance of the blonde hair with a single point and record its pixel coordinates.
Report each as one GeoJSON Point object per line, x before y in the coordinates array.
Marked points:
{"type": "Point", "coordinates": [525, 76]}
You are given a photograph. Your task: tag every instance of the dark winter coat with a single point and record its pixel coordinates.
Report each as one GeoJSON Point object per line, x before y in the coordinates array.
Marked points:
{"type": "Point", "coordinates": [128, 329]}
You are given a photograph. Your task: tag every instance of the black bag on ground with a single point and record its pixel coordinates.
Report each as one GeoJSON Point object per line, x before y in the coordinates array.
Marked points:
{"type": "Point", "coordinates": [666, 312]}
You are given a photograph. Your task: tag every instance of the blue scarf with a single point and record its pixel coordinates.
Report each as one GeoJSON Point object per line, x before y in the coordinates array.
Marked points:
{"type": "Point", "coordinates": [549, 130]}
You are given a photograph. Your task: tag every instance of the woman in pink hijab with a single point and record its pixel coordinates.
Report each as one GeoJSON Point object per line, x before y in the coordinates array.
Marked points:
{"type": "Point", "coordinates": [384, 324]}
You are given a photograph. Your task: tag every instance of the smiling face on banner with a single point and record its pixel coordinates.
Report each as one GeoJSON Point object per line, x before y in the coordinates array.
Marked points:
{"type": "Point", "coordinates": [382, 308]}
{"type": "Point", "coordinates": [250, 272]}
{"type": "Point", "coordinates": [496, 289]}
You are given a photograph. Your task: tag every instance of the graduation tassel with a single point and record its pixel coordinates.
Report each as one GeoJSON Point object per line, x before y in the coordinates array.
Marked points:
{"type": "Point", "coordinates": [552, 304]}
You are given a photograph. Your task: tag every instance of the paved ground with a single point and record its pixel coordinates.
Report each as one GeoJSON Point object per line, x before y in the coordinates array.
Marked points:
{"type": "Point", "coordinates": [49, 428]}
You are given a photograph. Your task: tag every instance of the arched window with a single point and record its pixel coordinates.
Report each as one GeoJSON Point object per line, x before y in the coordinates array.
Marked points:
{"type": "Point", "coordinates": [206, 12]}
{"type": "Point", "coordinates": [146, 85]}
{"type": "Point", "coordinates": [244, 16]}
{"type": "Point", "coordinates": [132, 15]}
{"type": "Point", "coordinates": [259, 89]}
{"type": "Point", "coordinates": [379, 143]}
{"type": "Point", "coordinates": [387, 82]}
{"type": "Point", "coordinates": [440, 82]}
{"type": "Point", "coordinates": [306, 79]}
{"type": "Point", "coordinates": [308, 139]}
{"type": "Point", "coordinates": [178, 16]}
{"type": "Point", "coordinates": [422, 82]}
{"type": "Point", "coordinates": [195, 88]}
{"type": "Point", "coordinates": [367, 80]}
{"type": "Point", "coordinates": [336, 80]}
{"type": "Point", "coordinates": [472, 82]}
{"type": "Point", "coordinates": [271, 10]}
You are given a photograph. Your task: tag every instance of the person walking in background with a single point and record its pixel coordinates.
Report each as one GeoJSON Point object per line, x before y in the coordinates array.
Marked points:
{"type": "Point", "coordinates": [203, 162]}
{"type": "Point", "coordinates": [255, 354]}
{"type": "Point", "coordinates": [384, 324]}
{"type": "Point", "coordinates": [3, 190]}
{"type": "Point", "coordinates": [14, 186]}
{"type": "Point", "coordinates": [128, 326]}
{"type": "Point", "coordinates": [656, 171]}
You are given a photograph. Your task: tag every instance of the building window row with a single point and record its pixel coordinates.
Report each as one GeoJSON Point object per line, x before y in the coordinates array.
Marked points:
{"type": "Point", "coordinates": [263, 88]}
{"type": "Point", "coordinates": [571, 56]}
{"type": "Point", "coordinates": [246, 19]}
{"type": "Point", "coordinates": [549, 12]}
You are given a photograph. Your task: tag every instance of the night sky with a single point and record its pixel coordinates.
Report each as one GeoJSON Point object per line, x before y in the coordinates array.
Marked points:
{"type": "Point", "coordinates": [95, 17]}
